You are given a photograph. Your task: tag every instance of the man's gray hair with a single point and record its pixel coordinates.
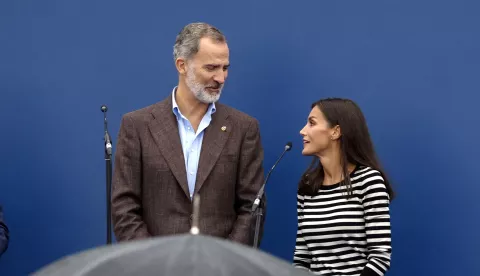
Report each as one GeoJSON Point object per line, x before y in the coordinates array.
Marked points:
{"type": "Point", "coordinates": [188, 40]}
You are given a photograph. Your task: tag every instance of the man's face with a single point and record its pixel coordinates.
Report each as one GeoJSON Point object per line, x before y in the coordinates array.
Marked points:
{"type": "Point", "coordinates": [207, 70]}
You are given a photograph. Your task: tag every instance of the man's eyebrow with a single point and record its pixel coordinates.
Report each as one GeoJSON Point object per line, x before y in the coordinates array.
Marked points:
{"type": "Point", "coordinates": [216, 65]}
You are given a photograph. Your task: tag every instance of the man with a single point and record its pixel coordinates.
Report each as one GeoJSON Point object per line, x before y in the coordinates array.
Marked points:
{"type": "Point", "coordinates": [188, 145]}
{"type": "Point", "coordinates": [4, 234]}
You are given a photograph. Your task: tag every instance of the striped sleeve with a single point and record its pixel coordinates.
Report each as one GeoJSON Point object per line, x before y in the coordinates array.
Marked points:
{"type": "Point", "coordinates": [301, 256]}
{"type": "Point", "coordinates": [376, 204]}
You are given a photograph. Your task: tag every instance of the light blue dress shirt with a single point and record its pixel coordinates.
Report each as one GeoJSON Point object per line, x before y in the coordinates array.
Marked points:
{"type": "Point", "coordinates": [191, 141]}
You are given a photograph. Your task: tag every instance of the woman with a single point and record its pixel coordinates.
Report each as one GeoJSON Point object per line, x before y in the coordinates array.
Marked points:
{"type": "Point", "coordinates": [343, 197]}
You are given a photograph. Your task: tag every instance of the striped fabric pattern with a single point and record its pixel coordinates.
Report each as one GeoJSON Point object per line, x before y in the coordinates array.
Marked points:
{"type": "Point", "coordinates": [339, 236]}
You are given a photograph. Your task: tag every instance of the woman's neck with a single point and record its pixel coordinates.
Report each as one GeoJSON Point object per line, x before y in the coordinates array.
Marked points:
{"type": "Point", "coordinates": [332, 168]}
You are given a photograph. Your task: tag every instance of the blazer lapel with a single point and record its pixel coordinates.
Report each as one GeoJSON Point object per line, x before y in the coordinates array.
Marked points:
{"type": "Point", "coordinates": [164, 129]}
{"type": "Point", "coordinates": [214, 139]}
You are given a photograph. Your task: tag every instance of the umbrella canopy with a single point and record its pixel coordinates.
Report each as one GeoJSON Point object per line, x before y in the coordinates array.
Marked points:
{"type": "Point", "coordinates": [179, 255]}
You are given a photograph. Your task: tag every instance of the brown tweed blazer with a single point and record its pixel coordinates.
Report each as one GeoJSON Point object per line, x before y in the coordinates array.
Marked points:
{"type": "Point", "coordinates": [149, 186]}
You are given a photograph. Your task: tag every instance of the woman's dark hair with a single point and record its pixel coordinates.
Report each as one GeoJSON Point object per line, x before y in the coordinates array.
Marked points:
{"type": "Point", "coordinates": [355, 143]}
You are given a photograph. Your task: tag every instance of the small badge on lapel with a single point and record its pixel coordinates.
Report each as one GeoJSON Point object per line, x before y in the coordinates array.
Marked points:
{"type": "Point", "coordinates": [224, 128]}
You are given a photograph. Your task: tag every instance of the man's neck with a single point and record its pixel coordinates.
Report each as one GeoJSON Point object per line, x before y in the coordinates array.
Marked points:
{"type": "Point", "coordinates": [189, 106]}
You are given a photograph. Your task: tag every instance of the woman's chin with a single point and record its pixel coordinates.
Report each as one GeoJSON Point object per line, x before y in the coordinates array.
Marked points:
{"type": "Point", "coordinates": [306, 152]}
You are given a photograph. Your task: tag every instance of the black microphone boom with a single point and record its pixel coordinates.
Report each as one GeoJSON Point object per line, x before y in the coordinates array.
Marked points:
{"type": "Point", "coordinates": [288, 147]}
{"type": "Point", "coordinates": [108, 163]}
{"type": "Point", "coordinates": [256, 207]}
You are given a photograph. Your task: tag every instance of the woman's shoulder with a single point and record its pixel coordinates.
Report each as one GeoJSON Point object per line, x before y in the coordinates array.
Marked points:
{"type": "Point", "coordinates": [366, 176]}
{"type": "Point", "coordinates": [362, 171]}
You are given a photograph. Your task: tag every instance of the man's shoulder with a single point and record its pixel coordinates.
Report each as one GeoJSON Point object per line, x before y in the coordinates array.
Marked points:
{"type": "Point", "coordinates": [146, 113]}
{"type": "Point", "coordinates": [140, 113]}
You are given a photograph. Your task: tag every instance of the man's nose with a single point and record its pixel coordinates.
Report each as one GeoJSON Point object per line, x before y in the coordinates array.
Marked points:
{"type": "Point", "coordinates": [220, 77]}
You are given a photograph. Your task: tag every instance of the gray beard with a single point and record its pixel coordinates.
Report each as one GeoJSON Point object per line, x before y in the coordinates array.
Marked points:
{"type": "Point", "coordinates": [199, 90]}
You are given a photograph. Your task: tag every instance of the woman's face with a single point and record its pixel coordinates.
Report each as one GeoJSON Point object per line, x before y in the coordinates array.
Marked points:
{"type": "Point", "coordinates": [317, 133]}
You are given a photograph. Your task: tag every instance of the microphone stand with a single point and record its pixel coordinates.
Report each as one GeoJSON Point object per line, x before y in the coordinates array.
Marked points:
{"type": "Point", "coordinates": [258, 214]}
{"type": "Point", "coordinates": [257, 208]}
{"type": "Point", "coordinates": [108, 164]}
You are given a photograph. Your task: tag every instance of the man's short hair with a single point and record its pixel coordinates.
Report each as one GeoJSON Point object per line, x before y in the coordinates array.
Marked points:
{"type": "Point", "coordinates": [188, 40]}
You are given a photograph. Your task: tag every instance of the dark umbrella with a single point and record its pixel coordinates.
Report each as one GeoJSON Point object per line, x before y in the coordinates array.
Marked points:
{"type": "Point", "coordinates": [179, 255]}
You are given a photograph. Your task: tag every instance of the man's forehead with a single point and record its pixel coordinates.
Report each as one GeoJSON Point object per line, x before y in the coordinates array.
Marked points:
{"type": "Point", "coordinates": [212, 47]}
{"type": "Point", "coordinates": [209, 42]}
{"type": "Point", "coordinates": [212, 59]}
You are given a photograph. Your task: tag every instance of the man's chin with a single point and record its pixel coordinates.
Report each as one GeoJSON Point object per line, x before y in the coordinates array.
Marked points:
{"type": "Point", "coordinates": [209, 97]}
{"type": "Point", "coordinates": [214, 91]}
{"type": "Point", "coordinates": [214, 94]}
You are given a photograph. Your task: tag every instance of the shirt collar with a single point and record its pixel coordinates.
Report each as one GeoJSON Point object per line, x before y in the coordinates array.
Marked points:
{"type": "Point", "coordinates": [211, 107]}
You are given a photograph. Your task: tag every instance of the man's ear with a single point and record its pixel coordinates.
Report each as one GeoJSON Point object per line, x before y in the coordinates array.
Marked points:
{"type": "Point", "coordinates": [181, 65]}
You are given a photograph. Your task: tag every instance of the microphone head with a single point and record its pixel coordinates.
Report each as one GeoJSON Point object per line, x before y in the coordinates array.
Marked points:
{"type": "Point", "coordinates": [288, 146]}
{"type": "Point", "coordinates": [104, 108]}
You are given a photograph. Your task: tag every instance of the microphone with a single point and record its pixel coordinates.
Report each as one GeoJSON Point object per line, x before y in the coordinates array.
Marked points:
{"type": "Point", "coordinates": [108, 142]}
{"type": "Point", "coordinates": [108, 168]}
{"type": "Point", "coordinates": [288, 147]}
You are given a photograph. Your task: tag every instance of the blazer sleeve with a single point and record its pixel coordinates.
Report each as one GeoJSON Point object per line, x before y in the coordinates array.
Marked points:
{"type": "Point", "coordinates": [127, 218]}
{"type": "Point", "coordinates": [250, 177]}
{"type": "Point", "coordinates": [4, 234]}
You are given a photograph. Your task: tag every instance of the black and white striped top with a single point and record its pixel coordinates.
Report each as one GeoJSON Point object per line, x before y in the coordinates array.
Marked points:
{"type": "Point", "coordinates": [339, 236]}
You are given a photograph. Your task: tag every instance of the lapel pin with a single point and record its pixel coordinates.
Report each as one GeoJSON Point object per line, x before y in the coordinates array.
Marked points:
{"type": "Point", "coordinates": [224, 128]}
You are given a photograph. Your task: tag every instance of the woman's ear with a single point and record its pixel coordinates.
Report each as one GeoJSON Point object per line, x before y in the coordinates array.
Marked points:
{"type": "Point", "coordinates": [336, 133]}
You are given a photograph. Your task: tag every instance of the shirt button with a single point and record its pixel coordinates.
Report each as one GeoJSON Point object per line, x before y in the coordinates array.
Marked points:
{"type": "Point", "coordinates": [191, 173]}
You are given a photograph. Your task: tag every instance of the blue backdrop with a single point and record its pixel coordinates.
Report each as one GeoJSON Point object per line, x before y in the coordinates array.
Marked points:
{"type": "Point", "coordinates": [413, 66]}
